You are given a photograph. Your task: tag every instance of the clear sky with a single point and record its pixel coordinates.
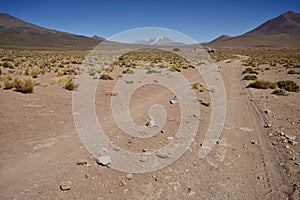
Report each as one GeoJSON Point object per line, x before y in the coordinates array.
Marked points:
{"type": "Point", "coordinates": [201, 20]}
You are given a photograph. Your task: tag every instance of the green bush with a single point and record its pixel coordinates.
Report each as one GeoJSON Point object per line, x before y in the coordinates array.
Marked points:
{"type": "Point", "coordinates": [106, 77]}
{"type": "Point", "coordinates": [249, 70]}
{"type": "Point", "coordinates": [280, 92]}
{"type": "Point", "coordinates": [293, 72]}
{"type": "Point", "coordinates": [128, 71]}
{"type": "Point", "coordinates": [261, 84]}
{"type": "Point", "coordinates": [288, 85]}
{"type": "Point", "coordinates": [250, 77]}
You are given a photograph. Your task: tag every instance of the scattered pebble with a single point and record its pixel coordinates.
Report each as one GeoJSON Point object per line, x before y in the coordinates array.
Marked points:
{"type": "Point", "coordinates": [104, 160]}
{"type": "Point", "coordinates": [173, 101]}
{"type": "Point", "coordinates": [129, 176]}
{"type": "Point", "coordinates": [162, 155]}
{"type": "Point", "coordinates": [81, 162]}
{"type": "Point", "coordinates": [253, 142]}
{"type": "Point", "coordinates": [65, 186]}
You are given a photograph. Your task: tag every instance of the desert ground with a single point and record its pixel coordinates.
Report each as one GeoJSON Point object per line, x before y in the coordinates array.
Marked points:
{"type": "Point", "coordinates": [255, 157]}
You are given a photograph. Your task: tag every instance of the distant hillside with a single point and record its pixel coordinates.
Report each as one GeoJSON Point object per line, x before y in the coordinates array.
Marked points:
{"type": "Point", "coordinates": [282, 31]}
{"type": "Point", "coordinates": [17, 33]}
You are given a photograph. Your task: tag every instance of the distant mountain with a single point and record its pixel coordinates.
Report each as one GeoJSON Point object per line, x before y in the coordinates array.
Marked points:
{"type": "Point", "coordinates": [96, 37]}
{"type": "Point", "coordinates": [17, 33]}
{"type": "Point", "coordinates": [159, 41]}
{"type": "Point", "coordinates": [220, 38]}
{"type": "Point", "coordinates": [282, 31]}
{"type": "Point", "coordinates": [287, 23]}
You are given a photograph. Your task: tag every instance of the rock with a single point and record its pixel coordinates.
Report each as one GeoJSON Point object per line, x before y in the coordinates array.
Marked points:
{"type": "Point", "coordinates": [162, 155]}
{"type": "Point", "coordinates": [129, 176]}
{"type": "Point", "coordinates": [150, 123]}
{"type": "Point", "coordinates": [253, 142]}
{"type": "Point", "coordinates": [281, 133]}
{"type": "Point", "coordinates": [293, 158]}
{"type": "Point", "coordinates": [81, 162]}
{"type": "Point", "coordinates": [191, 192]}
{"type": "Point", "coordinates": [170, 138]}
{"type": "Point", "coordinates": [173, 101]}
{"type": "Point", "coordinates": [162, 131]}
{"type": "Point", "coordinates": [65, 186]}
{"type": "Point", "coordinates": [292, 142]}
{"type": "Point", "coordinates": [290, 137]}
{"type": "Point", "coordinates": [104, 160]}
{"type": "Point", "coordinates": [267, 126]}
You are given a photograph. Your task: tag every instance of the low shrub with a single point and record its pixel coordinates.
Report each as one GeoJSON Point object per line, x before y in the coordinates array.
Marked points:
{"type": "Point", "coordinates": [24, 85]}
{"type": "Point", "coordinates": [292, 71]}
{"type": "Point", "coordinates": [106, 77]}
{"type": "Point", "coordinates": [128, 71]}
{"type": "Point", "coordinates": [261, 84]}
{"type": "Point", "coordinates": [288, 85]}
{"type": "Point", "coordinates": [249, 70]}
{"type": "Point", "coordinates": [250, 77]}
{"type": "Point", "coordinates": [280, 92]}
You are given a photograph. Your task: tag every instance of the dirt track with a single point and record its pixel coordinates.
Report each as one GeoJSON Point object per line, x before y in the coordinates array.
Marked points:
{"type": "Point", "coordinates": [39, 149]}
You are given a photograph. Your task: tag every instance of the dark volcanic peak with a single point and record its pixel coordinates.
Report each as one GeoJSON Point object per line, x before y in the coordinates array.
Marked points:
{"type": "Point", "coordinates": [287, 23]}
{"type": "Point", "coordinates": [18, 33]}
{"type": "Point", "coordinates": [222, 38]}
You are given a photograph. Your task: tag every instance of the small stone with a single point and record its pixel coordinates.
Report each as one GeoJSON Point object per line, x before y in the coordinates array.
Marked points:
{"type": "Point", "coordinates": [129, 176]}
{"type": "Point", "coordinates": [191, 192]}
{"type": "Point", "coordinates": [81, 162]}
{"type": "Point", "coordinates": [293, 158]}
{"type": "Point", "coordinates": [292, 142]}
{"type": "Point", "coordinates": [267, 126]}
{"type": "Point", "coordinates": [253, 142]}
{"type": "Point", "coordinates": [162, 155]}
{"type": "Point", "coordinates": [270, 135]}
{"type": "Point", "coordinates": [162, 131]}
{"type": "Point", "coordinates": [281, 133]}
{"type": "Point", "coordinates": [290, 137]}
{"type": "Point", "coordinates": [170, 138]}
{"type": "Point", "coordinates": [66, 185]}
{"type": "Point", "coordinates": [104, 160]}
{"type": "Point", "coordinates": [173, 101]}
{"type": "Point", "coordinates": [143, 159]}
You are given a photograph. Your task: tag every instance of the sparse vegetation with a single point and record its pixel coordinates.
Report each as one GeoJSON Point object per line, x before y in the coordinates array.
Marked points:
{"type": "Point", "coordinates": [106, 77]}
{"type": "Point", "coordinates": [250, 77]}
{"type": "Point", "coordinates": [288, 85]}
{"type": "Point", "coordinates": [261, 84]}
{"type": "Point", "coordinates": [292, 71]}
{"type": "Point", "coordinates": [249, 70]}
{"type": "Point", "coordinates": [128, 71]}
{"type": "Point", "coordinates": [280, 92]}
{"type": "Point", "coordinates": [24, 85]}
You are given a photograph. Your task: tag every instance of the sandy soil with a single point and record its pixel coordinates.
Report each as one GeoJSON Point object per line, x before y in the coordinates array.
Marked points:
{"type": "Point", "coordinates": [39, 146]}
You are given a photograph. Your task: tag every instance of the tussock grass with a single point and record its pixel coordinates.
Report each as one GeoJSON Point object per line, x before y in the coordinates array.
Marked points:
{"type": "Point", "coordinates": [250, 77]}
{"type": "Point", "coordinates": [280, 92]}
{"type": "Point", "coordinates": [24, 85]}
{"type": "Point", "coordinates": [261, 84]}
{"type": "Point", "coordinates": [288, 85]}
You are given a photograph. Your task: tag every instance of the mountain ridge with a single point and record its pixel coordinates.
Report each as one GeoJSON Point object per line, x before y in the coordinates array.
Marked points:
{"type": "Point", "coordinates": [279, 32]}
{"type": "Point", "coordinates": [16, 32]}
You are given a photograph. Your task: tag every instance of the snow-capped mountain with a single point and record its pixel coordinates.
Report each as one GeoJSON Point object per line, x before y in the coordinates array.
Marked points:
{"type": "Point", "coordinates": [159, 41]}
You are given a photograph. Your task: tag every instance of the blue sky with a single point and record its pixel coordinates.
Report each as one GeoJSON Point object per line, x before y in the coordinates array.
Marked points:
{"type": "Point", "coordinates": [201, 20]}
